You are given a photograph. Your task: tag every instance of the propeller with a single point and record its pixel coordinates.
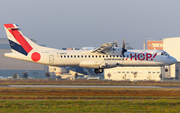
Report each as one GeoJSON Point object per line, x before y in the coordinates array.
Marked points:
{"type": "Point", "coordinates": [123, 48]}
{"type": "Point", "coordinates": [115, 44]}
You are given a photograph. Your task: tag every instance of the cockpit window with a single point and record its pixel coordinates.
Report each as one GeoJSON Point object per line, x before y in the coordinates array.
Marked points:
{"type": "Point", "coordinates": [164, 53]}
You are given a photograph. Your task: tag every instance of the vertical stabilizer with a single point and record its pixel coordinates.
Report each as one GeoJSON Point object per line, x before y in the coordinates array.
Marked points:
{"type": "Point", "coordinates": [16, 39]}
{"type": "Point", "coordinates": [18, 42]}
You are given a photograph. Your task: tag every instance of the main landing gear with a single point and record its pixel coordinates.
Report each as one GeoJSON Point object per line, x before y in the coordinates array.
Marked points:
{"type": "Point", "coordinates": [99, 70]}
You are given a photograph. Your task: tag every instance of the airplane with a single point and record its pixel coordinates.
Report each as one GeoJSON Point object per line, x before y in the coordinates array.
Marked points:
{"type": "Point", "coordinates": [108, 55]}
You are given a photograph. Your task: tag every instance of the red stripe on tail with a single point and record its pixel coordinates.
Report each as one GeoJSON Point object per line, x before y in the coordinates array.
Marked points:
{"type": "Point", "coordinates": [17, 35]}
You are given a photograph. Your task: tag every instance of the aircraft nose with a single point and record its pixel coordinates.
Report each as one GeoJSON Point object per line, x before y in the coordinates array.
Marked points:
{"type": "Point", "coordinates": [173, 59]}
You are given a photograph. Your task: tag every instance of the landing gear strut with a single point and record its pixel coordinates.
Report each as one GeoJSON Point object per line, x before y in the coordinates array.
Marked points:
{"type": "Point", "coordinates": [99, 70]}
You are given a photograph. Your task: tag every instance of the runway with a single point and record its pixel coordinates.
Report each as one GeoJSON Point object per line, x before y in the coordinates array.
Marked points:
{"type": "Point", "coordinates": [88, 86]}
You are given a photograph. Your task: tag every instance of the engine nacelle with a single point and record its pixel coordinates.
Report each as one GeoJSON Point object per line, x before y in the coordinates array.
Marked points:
{"type": "Point", "coordinates": [96, 64]}
{"type": "Point", "coordinates": [111, 64]}
{"type": "Point", "coordinates": [90, 64]}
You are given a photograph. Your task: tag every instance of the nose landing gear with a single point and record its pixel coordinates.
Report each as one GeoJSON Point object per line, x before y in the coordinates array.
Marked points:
{"type": "Point", "coordinates": [166, 70]}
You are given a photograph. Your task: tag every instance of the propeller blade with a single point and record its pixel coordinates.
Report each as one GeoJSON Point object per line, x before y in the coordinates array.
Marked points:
{"type": "Point", "coordinates": [116, 44]}
{"type": "Point", "coordinates": [123, 44]}
{"type": "Point", "coordinates": [123, 48]}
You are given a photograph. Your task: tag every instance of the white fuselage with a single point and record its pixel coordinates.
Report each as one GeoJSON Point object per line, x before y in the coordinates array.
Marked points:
{"type": "Point", "coordinates": [85, 58]}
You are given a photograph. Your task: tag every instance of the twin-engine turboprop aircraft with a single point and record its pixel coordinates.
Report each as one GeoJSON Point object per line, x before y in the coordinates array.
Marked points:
{"type": "Point", "coordinates": [107, 55]}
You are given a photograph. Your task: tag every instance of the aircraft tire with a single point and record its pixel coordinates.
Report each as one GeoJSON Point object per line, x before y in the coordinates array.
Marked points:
{"type": "Point", "coordinates": [96, 71]}
{"type": "Point", "coordinates": [166, 70]}
{"type": "Point", "coordinates": [100, 70]}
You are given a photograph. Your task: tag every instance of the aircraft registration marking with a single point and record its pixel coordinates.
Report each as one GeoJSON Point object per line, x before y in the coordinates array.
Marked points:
{"type": "Point", "coordinates": [62, 53]}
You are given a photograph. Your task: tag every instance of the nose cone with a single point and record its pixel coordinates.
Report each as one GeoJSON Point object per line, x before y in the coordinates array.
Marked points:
{"type": "Point", "coordinates": [173, 60]}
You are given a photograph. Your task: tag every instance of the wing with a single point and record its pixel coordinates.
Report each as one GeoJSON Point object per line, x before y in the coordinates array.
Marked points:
{"type": "Point", "coordinates": [104, 47]}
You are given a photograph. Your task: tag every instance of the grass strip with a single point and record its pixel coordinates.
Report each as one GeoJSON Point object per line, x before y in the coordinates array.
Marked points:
{"type": "Point", "coordinates": [21, 97]}
{"type": "Point", "coordinates": [87, 82]}
{"type": "Point", "coordinates": [88, 92]}
{"type": "Point", "coordinates": [131, 106]}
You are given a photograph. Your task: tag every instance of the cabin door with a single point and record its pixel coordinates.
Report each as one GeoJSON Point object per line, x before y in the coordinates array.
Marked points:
{"type": "Point", "coordinates": [51, 59]}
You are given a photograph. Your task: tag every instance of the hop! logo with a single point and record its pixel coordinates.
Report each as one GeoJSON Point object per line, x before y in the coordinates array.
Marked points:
{"type": "Point", "coordinates": [142, 56]}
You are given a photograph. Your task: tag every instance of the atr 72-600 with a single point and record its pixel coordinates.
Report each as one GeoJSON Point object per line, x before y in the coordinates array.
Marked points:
{"type": "Point", "coordinates": [107, 55]}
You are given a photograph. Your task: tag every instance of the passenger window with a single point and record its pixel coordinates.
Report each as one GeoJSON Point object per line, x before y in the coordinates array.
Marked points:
{"type": "Point", "coordinates": [74, 56]}
{"type": "Point", "coordinates": [71, 56]}
{"type": "Point", "coordinates": [92, 56]}
{"type": "Point", "coordinates": [68, 56]}
{"type": "Point", "coordinates": [85, 56]}
{"type": "Point", "coordinates": [81, 56]}
{"type": "Point", "coordinates": [78, 56]}
{"type": "Point", "coordinates": [89, 56]}
{"type": "Point", "coordinates": [64, 56]}
{"type": "Point", "coordinates": [99, 56]}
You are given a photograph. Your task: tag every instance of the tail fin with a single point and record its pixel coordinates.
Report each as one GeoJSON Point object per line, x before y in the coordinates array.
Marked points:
{"type": "Point", "coordinates": [18, 42]}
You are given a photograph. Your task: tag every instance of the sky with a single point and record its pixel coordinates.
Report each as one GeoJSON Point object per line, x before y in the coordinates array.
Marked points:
{"type": "Point", "coordinates": [90, 23]}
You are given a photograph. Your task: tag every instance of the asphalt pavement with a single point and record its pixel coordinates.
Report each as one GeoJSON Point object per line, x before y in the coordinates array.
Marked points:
{"type": "Point", "coordinates": [89, 86]}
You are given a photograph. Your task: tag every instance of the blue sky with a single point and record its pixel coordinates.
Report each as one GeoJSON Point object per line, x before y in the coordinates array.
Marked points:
{"type": "Point", "coordinates": [79, 23]}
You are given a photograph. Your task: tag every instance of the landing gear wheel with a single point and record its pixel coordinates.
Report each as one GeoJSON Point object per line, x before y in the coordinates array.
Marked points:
{"type": "Point", "coordinates": [99, 70]}
{"type": "Point", "coordinates": [96, 71]}
{"type": "Point", "coordinates": [166, 70]}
